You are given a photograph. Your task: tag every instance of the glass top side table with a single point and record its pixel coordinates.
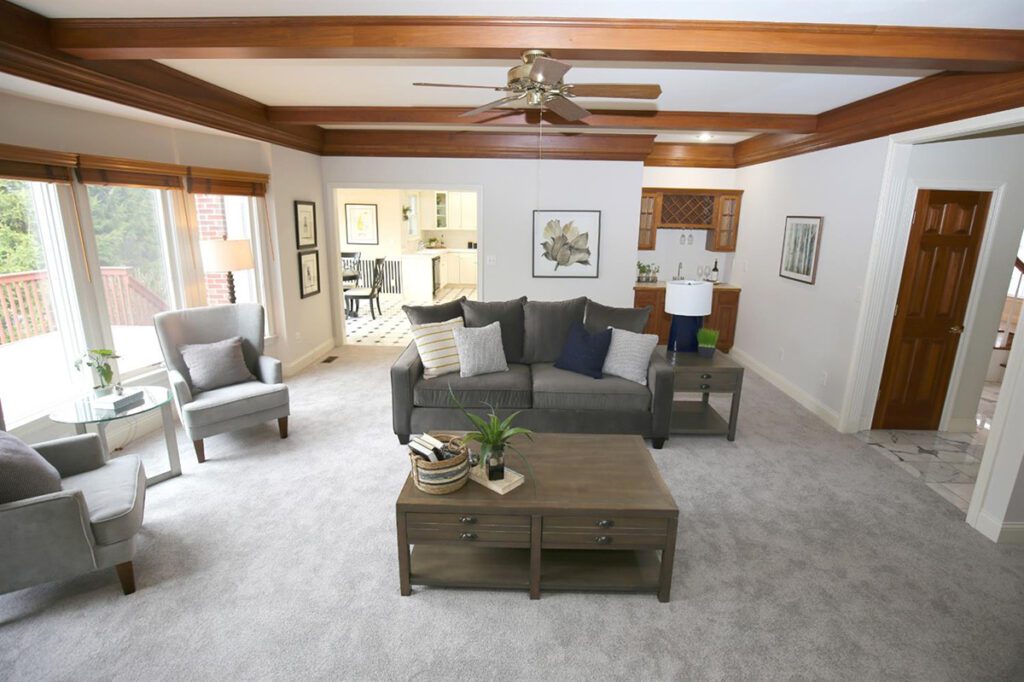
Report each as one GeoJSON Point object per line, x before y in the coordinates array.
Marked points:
{"type": "Point", "coordinates": [82, 412]}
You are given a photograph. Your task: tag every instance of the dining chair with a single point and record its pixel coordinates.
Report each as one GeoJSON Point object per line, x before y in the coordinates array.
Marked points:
{"type": "Point", "coordinates": [350, 261]}
{"type": "Point", "coordinates": [371, 293]}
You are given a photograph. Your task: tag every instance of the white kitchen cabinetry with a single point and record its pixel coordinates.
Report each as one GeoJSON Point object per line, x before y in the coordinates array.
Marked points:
{"type": "Point", "coordinates": [467, 267]}
{"type": "Point", "coordinates": [453, 211]}
{"type": "Point", "coordinates": [467, 209]}
{"type": "Point", "coordinates": [446, 271]}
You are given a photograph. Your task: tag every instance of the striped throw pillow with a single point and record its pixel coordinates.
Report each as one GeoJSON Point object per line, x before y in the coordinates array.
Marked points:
{"type": "Point", "coordinates": [436, 345]}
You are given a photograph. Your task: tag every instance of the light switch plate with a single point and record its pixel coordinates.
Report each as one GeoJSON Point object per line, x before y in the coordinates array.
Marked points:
{"type": "Point", "coordinates": [491, 260]}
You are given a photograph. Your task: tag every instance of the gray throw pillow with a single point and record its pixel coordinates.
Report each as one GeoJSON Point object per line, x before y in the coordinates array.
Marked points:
{"type": "Point", "coordinates": [217, 364]}
{"type": "Point", "coordinates": [432, 314]}
{"type": "Point", "coordinates": [629, 355]}
{"type": "Point", "coordinates": [24, 472]}
{"type": "Point", "coordinates": [480, 350]}
{"type": "Point", "coordinates": [508, 313]}
{"type": "Point", "coordinates": [547, 326]}
{"type": "Point", "coordinates": [600, 317]}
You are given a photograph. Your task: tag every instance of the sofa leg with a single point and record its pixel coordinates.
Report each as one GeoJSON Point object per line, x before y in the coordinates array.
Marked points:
{"type": "Point", "coordinates": [403, 438]}
{"type": "Point", "coordinates": [282, 426]}
{"type": "Point", "coordinates": [126, 574]}
{"type": "Point", "coordinates": [658, 443]}
{"type": "Point", "coordinates": [200, 450]}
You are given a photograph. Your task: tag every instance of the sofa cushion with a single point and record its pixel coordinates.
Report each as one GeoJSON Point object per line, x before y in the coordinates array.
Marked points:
{"type": "Point", "coordinates": [508, 313]}
{"type": "Point", "coordinates": [24, 472]}
{"type": "Point", "coordinates": [599, 317]}
{"type": "Point", "coordinates": [430, 314]}
{"type": "Point", "coordinates": [480, 350]}
{"type": "Point", "coordinates": [559, 389]}
{"type": "Point", "coordinates": [547, 325]}
{"type": "Point", "coordinates": [584, 352]}
{"type": "Point", "coordinates": [629, 355]}
{"type": "Point", "coordinates": [115, 494]}
{"type": "Point", "coordinates": [217, 364]}
{"type": "Point", "coordinates": [510, 389]}
{"type": "Point", "coordinates": [435, 343]}
{"type": "Point", "coordinates": [239, 400]}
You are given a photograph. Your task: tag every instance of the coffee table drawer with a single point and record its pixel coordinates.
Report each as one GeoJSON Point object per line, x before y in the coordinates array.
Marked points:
{"type": "Point", "coordinates": [562, 539]}
{"type": "Point", "coordinates": [705, 381]}
{"type": "Point", "coordinates": [450, 534]}
{"type": "Point", "coordinates": [470, 521]}
{"type": "Point", "coordinates": [606, 525]}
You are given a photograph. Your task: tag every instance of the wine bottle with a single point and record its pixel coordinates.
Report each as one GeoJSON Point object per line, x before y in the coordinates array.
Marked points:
{"type": "Point", "coordinates": [714, 272]}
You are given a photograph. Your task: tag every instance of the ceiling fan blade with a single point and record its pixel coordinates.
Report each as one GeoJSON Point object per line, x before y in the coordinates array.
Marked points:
{"type": "Point", "coordinates": [452, 85]}
{"type": "Point", "coordinates": [547, 70]}
{"type": "Point", "coordinates": [491, 105]}
{"type": "Point", "coordinates": [626, 90]}
{"type": "Point", "coordinates": [567, 109]}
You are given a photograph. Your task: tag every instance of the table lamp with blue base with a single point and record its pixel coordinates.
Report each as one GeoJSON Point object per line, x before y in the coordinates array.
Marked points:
{"type": "Point", "coordinates": [687, 302]}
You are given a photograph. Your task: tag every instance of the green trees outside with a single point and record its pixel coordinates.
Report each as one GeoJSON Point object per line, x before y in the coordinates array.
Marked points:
{"type": "Point", "coordinates": [127, 229]}
{"type": "Point", "coordinates": [19, 247]}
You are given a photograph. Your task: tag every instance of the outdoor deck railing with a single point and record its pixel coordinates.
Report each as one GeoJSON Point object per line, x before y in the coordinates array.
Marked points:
{"type": "Point", "coordinates": [25, 309]}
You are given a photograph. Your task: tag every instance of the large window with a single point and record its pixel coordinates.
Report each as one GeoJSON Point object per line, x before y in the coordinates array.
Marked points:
{"type": "Point", "coordinates": [232, 217]}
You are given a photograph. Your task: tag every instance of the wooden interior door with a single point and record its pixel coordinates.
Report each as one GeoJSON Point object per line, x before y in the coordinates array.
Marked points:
{"type": "Point", "coordinates": [942, 254]}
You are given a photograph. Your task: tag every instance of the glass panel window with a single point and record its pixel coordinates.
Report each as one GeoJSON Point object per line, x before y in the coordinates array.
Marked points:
{"type": "Point", "coordinates": [40, 333]}
{"type": "Point", "coordinates": [233, 218]}
{"type": "Point", "coordinates": [130, 224]}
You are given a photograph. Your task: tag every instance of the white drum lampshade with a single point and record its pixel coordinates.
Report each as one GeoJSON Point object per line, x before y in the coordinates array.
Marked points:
{"type": "Point", "coordinates": [226, 255]}
{"type": "Point", "coordinates": [688, 302]}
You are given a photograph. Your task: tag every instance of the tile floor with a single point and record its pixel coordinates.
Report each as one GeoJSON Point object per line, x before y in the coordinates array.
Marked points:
{"type": "Point", "coordinates": [946, 462]}
{"type": "Point", "coordinates": [392, 327]}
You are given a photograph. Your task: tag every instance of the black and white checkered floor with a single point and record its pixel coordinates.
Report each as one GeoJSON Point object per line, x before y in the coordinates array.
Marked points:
{"type": "Point", "coordinates": [392, 327]}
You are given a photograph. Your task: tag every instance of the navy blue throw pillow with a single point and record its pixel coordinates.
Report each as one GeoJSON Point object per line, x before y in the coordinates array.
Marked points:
{"type": "Point", "coordinates": [584, 352]}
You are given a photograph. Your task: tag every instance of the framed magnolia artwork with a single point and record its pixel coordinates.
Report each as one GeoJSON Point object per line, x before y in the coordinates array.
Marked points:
{"type": "Point", "coordinates": [305, 224]}
{"type": "Point", "coordinates": [801, 241]}
{"type": "Point", "coordinates": [566, 243]}
{"type": "Point", "coordinates": [361, 224]}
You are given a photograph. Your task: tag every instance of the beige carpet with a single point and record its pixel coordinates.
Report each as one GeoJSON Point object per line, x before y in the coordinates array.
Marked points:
{"type": "Point", "coordinates": [800, 556]}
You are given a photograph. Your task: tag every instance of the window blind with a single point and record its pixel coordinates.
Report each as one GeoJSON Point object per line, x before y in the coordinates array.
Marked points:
{"type": "Point", "coordinates": [25, 163]}
{"type": "Point", "coordinates": [107, 170]}
{"type": "Point", "coordinates": [217, 181]}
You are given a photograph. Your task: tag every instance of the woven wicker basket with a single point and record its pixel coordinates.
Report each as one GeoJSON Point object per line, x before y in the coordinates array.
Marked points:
{"type": "Point", "coordinates": [441, 478]}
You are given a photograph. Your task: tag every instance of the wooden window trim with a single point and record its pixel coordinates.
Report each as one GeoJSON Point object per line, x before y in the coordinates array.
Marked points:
{"type": "Point", "coordinates": [109, 170]}
{"type": "Point", "coordinates": [25, 163]}
{"type": "Point", "coordinates": [218, 181]}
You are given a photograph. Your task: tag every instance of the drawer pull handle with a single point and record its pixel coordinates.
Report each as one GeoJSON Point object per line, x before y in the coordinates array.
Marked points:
{"type": "Point", "coordinates": [605, 523]}
{"type": "Point", "coordinates": [468, 536]}
{"type": "Point", "coordinates": [467, 519]}
{"type": "Point", "coordinates": [705, 386]}
{"type": "Point", "coordinates": [705, 376]}
{"type": "Point", "coordinates": [603, 540]}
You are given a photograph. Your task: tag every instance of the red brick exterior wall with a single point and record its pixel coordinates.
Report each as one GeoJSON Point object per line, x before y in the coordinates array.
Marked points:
{"type": "Point", "coordinates": [213, 225]}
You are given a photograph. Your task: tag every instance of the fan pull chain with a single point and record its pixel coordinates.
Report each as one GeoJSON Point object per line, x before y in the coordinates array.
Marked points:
{"type": "Point", "coordinates": [540, 150]}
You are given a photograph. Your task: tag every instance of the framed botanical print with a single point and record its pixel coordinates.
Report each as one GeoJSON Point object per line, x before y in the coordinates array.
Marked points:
{"type": "Point", "coordinates": [361, 224]}
{"type": "Point", "coordinates": [305, 225]}
{"type": "Point", "coordinates": [309, 273]}
{"type": "Point", "coordinates": [801, 242]}
{"type": "Point", "coordinates": [566, 243]}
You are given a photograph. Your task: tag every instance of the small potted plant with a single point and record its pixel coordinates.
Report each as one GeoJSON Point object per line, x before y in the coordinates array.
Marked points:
{"type": "Point", "coordinates": [644, 272]}
{"type": "Point", "coordinates": [707, 339]}
{"type": "Point", "coordinates": [99, 359]}
{"type": "Point", "coordinates": [493, 434]}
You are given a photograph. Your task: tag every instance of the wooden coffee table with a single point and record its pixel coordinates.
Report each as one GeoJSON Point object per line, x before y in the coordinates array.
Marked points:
{"type": "Point", "coordinates": [597, 516]}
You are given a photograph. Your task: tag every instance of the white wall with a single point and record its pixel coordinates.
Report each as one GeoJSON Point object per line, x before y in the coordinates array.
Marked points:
{"type": "Point", "coordinates": [508, 194]}
{"type": "Point", "coordinates": [798, 335]}
{"type": "Point", "coordinates": [391, 229]}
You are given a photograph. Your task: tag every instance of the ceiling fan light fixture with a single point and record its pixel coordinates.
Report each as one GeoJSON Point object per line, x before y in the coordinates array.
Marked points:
{"type": "Point", "coordinates": [705, 137]}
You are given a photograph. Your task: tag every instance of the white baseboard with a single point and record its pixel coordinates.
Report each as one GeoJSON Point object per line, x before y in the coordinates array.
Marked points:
{"type": "Point", "coordinates": [961, 425]}
{"type": "Point", "coordinates": [1008, 533]}
{"type": "Point", "coordinates": [299, 364]}
{"type": "Point", "coordinates": [819, 409]}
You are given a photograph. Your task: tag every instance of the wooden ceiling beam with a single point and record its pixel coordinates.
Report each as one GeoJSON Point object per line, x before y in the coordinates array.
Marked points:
{"type": "Point", "coordinates": [638, 40]}
{"type": "Point", "coordinates": [599, 118]}
{"type": "Point", "coordinates": [691, 155]}
{"type": "Point", "coordinates": [472, 144]}
{"type": "Point", "coordinates": [930, 101]}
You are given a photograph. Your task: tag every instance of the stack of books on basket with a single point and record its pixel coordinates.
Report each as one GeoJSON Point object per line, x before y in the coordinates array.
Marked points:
{"type": "Point", "coordinates": [433, 450]}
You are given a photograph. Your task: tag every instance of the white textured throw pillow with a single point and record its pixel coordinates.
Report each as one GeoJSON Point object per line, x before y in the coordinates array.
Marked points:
{"type": "Point", "coordinates": [480, 350]}
{"type": "Point", "coordinates": [629, 355]}
{"type": "Point", "coordinates": [436, 346]}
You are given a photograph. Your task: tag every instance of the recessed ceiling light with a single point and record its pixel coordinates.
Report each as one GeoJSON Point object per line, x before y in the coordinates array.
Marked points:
{"type": "Point", "coordinates": [705, 137]}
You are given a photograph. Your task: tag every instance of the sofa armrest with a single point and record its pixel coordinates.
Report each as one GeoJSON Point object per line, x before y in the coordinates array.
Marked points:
{"type": "Point", "coordinates": [406, 371]}
{"type": "Point", "coordinates": [73, 455]}
{"type": "Point", "coordinates": [182, 391]}
{"type": "Point", "coordinates": [660, 379]}
{"type": "Point", "coordinates": [269, 370]}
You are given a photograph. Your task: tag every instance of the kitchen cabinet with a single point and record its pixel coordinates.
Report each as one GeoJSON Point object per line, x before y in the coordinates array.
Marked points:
{"type": "Point", "coordinates": [725, 305]}
{"type": "Point", "coordinates": [467, 203]}
{"type": "Point", "coordinates": [445, 270]}
{"type": "Point", "coordinates": [648, 227]}
{"type": "Point", "coordinates": [467, 267]}
{"type": "Point", "coordinates": [454, 211]}
{"type": "Point", "coordinates": [714, 210]}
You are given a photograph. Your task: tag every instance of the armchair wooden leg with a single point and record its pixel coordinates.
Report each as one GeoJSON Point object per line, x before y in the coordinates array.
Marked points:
{"type": "Point", "coordinates": [200, 450]}
{"type": "Point", "coordinates": [282, 426]}
{"type": "Point", "coordinates": [126, 574]}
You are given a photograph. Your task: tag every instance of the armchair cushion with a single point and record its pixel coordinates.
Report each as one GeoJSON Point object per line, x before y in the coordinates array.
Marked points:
{"type": "Point", "coordinates": [114, 495]}
{"type": "Point", "coordinates": [23, 471]}
{"type": "Point", "coordinates": [269, 370]}
{"type": "Point", "coordinates": [229, 402]}
{"type": "Point", "coordinates": [217, 364]}
{"type": "Point", "coordinates": [74, 454]}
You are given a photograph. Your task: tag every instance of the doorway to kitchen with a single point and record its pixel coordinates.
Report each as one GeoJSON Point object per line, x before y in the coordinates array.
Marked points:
{"type": "Point", "coordinates": [403, 247]}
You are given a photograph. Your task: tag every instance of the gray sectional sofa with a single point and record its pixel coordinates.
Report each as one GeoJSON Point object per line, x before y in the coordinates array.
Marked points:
{"type": "Point", "coordinates": [552, 400]}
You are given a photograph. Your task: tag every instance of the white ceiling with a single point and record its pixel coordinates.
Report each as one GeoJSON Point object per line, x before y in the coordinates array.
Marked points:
{"type": "Point", "coordinates": [380, 82]}
{"type": "Point", "coordinates": [978, 14]}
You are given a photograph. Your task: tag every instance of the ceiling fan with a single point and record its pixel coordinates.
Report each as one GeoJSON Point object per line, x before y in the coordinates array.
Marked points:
{"type": "Point", "coordinates": [538, 80]}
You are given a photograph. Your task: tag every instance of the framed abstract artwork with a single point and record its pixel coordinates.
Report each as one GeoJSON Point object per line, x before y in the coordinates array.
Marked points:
{"type": "Point", "coordinates": [361, 224]}
{"type": "Point", "coordinates": [309, 273]}
{"type": "Point", "coordinates": [801, 242]}
{"type": "Point", "coordinates": [566, 243]}
{"type": "Point", "coordinates": [305, 225]}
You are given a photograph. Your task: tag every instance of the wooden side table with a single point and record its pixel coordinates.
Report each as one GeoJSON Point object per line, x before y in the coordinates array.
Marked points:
{"type": "Point", "coordinates": [694, 374]}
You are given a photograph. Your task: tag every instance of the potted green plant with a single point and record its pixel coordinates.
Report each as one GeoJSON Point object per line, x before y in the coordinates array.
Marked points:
{"type": "Point", "coordinates": [707, 339]}
{"type": "Point", "coordinates": [99, 359]}
{"type": "Point", "coordinates": [643, 271]}
{"type": "Point", "coordinates": [493, 434]}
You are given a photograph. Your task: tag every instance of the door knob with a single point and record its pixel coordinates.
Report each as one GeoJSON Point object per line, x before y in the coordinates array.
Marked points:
{"type": "Point", "coordinates": [956, 329]}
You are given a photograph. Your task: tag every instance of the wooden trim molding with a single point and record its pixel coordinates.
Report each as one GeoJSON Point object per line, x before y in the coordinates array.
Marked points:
{"type": "Point", "coordinates": [10, 152]}
{"type": "Point", "coordinates": [108, 170]}
{"type": "Point", "coordinates": [217, 181]}
{"type": "Point", "coordinates": [26, 163]}
{"type": "Point", "coordinates": [729, 42]}
{"type": "Point", "coordinates": [640, 119]}
{"type": "Point", "coordinates": [686, 155]}
{"type": "Point", "coordinates": [472, 144]}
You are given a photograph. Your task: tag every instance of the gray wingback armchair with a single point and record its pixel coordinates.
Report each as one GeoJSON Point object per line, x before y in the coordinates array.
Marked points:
{"type": "Point", "coordinates": [90, 524]}
{"type": "Point", "coordinates": [220, 410]}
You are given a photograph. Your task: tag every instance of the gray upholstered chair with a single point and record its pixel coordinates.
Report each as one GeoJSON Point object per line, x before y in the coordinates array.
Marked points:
{"type": "Point", "coordinates": [90, 524]}
{"type": "Point", "coordinates": [220, 410]}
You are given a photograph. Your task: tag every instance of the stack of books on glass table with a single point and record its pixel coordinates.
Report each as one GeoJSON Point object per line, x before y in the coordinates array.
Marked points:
{"type": "Point", "coordinates": [118, 402]}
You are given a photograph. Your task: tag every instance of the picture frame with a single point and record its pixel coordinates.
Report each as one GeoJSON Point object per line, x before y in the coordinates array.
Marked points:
{"type": "Point", "coordinates": [305, 225]}
{"type": "Point", "coordinates": [801, 246]}
{"type": "Point", "coordinates": [361, 224]}
{"type": "Point", "coordinates": [566, 244]}
{"type": "Point", "coordinates": [309, 273]}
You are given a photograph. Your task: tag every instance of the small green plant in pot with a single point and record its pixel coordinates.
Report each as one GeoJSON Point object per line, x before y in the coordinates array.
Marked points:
{"type": "Point", "coordinates": [99, 359]}
{"type": "Point", "coordinates": [493, 434]}
{"type": "Point", "coordinates": [707, 339]}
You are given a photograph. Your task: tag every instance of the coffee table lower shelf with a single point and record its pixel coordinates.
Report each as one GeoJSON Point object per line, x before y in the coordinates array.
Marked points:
{"type": "Point", "coordinates": [561, 569]}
